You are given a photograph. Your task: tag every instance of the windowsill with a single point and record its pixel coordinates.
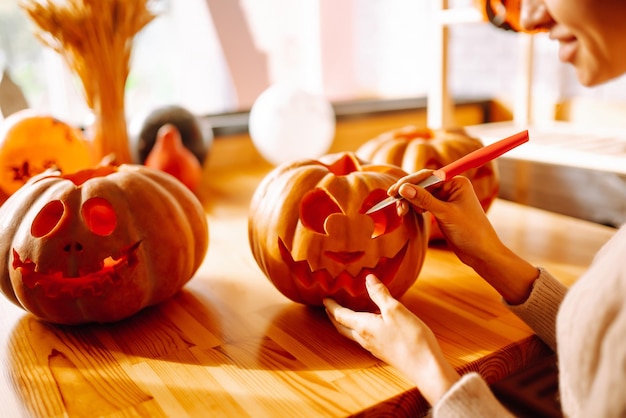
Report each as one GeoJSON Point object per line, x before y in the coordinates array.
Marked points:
{"type": "Point", "coordinates": [356, 123]}
{"type": "Point", "coordinates": [226, 124]}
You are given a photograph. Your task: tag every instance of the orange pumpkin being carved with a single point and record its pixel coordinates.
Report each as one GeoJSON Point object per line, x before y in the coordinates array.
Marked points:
{"type": "Point", "coordinates": [310, 235]}
{"type": "Point", "coordinates": [413, 149]}
{"type": "Point", "coordinates": [100, 244]}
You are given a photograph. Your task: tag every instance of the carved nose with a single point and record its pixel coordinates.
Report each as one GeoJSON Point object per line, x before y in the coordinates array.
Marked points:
{"type": "Point", "coordinates": [73, 251]}
{"type": "Point", "coordinates": [73, 247]}
{"type": "Point", "coordinates": [354, 230]}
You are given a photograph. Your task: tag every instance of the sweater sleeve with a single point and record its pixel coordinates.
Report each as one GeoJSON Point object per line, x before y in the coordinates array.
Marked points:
{"type": "Point", "coordinates": [540, 309]}
{"type": "Point", "coordinates": [470, 397]}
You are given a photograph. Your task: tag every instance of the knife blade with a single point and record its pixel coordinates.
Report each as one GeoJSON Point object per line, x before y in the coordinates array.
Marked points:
{"type": "Point", "coordinates": [472, 160]}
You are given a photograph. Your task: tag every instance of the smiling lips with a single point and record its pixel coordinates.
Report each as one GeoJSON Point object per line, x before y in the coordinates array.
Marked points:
{"type": "Point", "coordinates": [567, 50]}
{"type": "Point", "coordinates": [54, 284]}
{"type": "Point", "coordinates": [567, 41]}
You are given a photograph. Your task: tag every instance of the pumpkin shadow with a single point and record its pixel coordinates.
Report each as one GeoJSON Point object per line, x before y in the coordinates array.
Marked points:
{"type": "Point", "coordinates": [166, 331]}
{"type": "Point", "coordinates": [300, 337]}
{"type": "Point", "coordinates": [62, 363]}
{"type": "Point", "coordinates": [154, 332]}
{"type": "Point", "coordinates": [175, 344]}
{"type": "Point", "coordinates": [184, 335]}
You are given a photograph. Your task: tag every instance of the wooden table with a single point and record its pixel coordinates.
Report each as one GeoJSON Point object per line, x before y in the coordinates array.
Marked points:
{"type": "Point", "coordinates": [229, 344]}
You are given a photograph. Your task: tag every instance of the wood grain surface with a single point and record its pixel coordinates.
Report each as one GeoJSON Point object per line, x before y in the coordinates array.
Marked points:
{"type": "Point", "coordinates": [229, 344]}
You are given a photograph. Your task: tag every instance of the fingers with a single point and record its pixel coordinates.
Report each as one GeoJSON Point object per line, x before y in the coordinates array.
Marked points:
{"type": "Point", "coordinates": [345, 319]}
{"type": "Point", "coordinates": [435, 199]}
{"type": "Point", "coordinates": [402, 207]}
{"type": "Point", "coordinates": [411, 178]}
{"type": "Point", "coordinates": [348, 323]}
{"type": "Point", "coordinates": [419, 197]}
{"type": "Point", "coordinates": [352, 324]}
{"type": "Point", "coordinates": [342, 329]}
{"type": "Point", "coordinates": [378, 293]}
{"type": "Point", "coordinates": [339, 314]}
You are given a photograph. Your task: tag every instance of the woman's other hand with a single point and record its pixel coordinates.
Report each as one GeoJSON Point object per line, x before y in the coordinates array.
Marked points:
{"type": "Point", "coordinates": [397, 337]}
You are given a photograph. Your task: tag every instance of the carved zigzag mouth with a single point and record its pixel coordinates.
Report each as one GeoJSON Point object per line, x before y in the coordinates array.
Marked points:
{"type": "Point", "coordinates": [54, 284]}
{"type": "Point", "coordinates": [385, 270]}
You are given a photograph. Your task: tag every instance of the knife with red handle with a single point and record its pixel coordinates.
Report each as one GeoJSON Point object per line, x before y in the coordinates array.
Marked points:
{"type": "Point", "coordinates": [472, 160]}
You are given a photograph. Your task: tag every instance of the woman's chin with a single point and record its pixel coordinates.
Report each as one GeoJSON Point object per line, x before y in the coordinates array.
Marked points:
{"type": "Point", "coordinates": [594, 77]}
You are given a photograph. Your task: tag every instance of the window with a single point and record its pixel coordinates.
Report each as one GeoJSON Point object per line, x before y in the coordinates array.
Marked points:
{"type": "Point", "coordinates": [216, 56]}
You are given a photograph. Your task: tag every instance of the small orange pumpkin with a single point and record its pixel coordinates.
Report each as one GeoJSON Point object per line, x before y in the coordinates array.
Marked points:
{"type": "Point", "coordinates": [413, 149]}
{"type": "Point", "coordinates": [170, 155]}
{"type": "Point", "coordinates": [100, 244]}
{"type": "Point", "coordinates": [309, 233]}
{"type": "Point", "coordinates": [30, 143]}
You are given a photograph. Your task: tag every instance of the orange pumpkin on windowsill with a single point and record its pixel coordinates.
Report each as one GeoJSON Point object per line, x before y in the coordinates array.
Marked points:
{"type": "Point", "coordinates": [32, 142]}
{"type": "Point", "coordinates": [310, 235]}
{"type": "Point", "coordinates": [98, 245]}
{"type": "Point", "coordinates": [412, 149]}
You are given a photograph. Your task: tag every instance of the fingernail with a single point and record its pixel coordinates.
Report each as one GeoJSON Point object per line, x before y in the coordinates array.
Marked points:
{"type": "Point", "coordinates": [408, 191]}
{"type": "Point", "coordinates": [370, 280]}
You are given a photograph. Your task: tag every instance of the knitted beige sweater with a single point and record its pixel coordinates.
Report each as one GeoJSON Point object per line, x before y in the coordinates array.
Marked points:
{"type": "Point", "coordinates": [591, 335]}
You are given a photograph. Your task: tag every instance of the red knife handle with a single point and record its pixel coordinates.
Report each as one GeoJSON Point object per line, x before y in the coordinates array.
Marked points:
{"type": "Point", "coordinates": [481, 156]}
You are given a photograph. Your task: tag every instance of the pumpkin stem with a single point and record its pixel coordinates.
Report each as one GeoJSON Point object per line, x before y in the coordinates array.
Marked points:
{"type": "Point", "coordinates": [345, 165]}
{"type": "Point", "coordinates": [80, 177]}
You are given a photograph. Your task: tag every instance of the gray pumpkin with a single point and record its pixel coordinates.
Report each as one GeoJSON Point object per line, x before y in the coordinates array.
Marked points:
{"type": "Point", "coordinates": [197, 137]}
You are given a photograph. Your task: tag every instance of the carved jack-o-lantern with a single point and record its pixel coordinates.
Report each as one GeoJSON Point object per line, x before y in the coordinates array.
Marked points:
{"type": "Point", "coordinates": [310, 235]}
{"type": "Point", "coordinates": [98, 245]}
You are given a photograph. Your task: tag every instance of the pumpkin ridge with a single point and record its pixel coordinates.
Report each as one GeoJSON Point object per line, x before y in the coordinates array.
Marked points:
{"type": "Point", "coordinates": [192, 213]}
{"type": "Point", "coordinates": [172, 210]}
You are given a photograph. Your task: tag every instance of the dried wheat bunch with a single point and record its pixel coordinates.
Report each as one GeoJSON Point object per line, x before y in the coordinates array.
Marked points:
{"type": "Point", "coordinates": [95, 38]}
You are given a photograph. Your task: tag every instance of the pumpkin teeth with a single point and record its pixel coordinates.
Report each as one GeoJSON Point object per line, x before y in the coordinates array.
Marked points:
{"type": "Point", "coordinates": [109, 262]}
{"type": "Point", "coordinates": [54, 284]}
{"type": "Point", "coordinates": [94, 288]}
{"type": "Point", "coordinates": [27, 265]}
{"type": "Point", "coordinates": [354, 285]}
{"type": "Point", "coordinates": [53, 289]}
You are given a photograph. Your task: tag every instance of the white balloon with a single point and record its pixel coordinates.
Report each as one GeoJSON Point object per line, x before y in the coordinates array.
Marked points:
{"type": "Point", "coordinates": [287, 124]}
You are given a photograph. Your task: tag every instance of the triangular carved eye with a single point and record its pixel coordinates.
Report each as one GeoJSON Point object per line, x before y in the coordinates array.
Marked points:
{"type": "Point", "coordinates": [315, 207]}
{"type": "Point", "coordinates": [386, 219]}
{"type": "Point", "coordinates": [99, 216]}
{"type": "Point", "coordinates": [47, 219]}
